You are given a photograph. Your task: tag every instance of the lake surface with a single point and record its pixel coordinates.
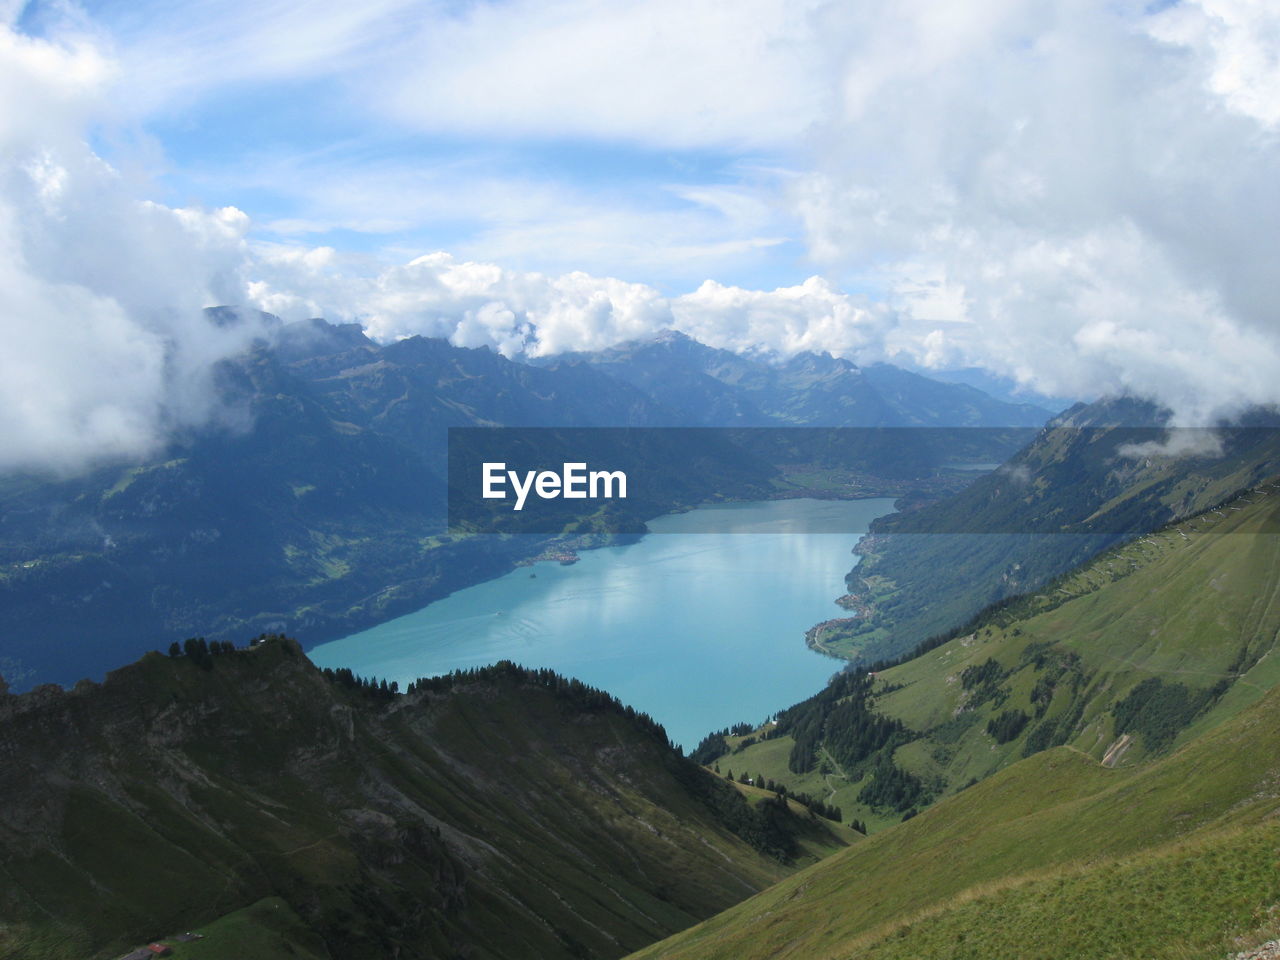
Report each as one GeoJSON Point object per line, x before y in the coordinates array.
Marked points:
{"type": "Point", "coordinates": [699, 629]}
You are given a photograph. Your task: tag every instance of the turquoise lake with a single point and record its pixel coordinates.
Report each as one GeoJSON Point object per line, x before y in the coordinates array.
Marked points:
{"type": "Point", "coordinates": [699, 629]}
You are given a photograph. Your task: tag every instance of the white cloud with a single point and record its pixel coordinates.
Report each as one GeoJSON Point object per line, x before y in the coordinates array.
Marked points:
{"type": "Point", "coordinates": [811, 316]}
{"type": "Point", "coordinates": [672, 73]}
{"type": "Point", "coordinates": [472, 304]}
{"type": "Point", "coordinates": [106, 348]}
{"type": "Point", "coordinates": [483, 208]}
{"type": "Point", "coordinates": [483, 304]}
{"type": "Point", "coordinates": [1238, 42]}
{"type": "Point", "coordinates": [1078, 194]}
{"type": "Point", "coordinates": [668, 72]}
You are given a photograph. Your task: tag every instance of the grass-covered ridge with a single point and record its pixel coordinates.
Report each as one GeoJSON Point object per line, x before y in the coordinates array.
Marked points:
{"type": "Point", "coordinates": [1077, 489]}
{"type": "Point", "coordinates": [1055, 821]}
{"type": "Point", "coordinates": [1102, 760]}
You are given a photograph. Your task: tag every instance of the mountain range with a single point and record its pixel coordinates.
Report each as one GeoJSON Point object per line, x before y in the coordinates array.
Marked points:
{"type": "Point", "coordinates": [317, 504]}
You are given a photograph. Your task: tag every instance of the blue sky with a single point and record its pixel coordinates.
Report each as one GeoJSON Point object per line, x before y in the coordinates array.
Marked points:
{"type": "Point", "coordinates": [338, 141]}
{"type": "Point", "coordinates": [1079, 196]}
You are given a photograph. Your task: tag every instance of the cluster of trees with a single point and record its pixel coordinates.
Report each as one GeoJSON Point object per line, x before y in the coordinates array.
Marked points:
{"type": "Point", "coordinates": [200, 651]}
{"type": "Point", "coordinates": [371, 687]}
{"type": "Point", "coordinates": [711, 748]}
{"type": "Point", "coordinates": [1157, 711]}
{"type": "Point", "coordinates": [892, 787]}
{"type": "Point", "coordinates": [573, 692]}
{"type": "Point", "coordinates": [1007, 725]}
{"type": "Point", "coordinates": [768, 826]}
{"type": "Point", "coordinates": [827, 811]}
{"type": "Point", "coordinates": [715, 745]}
{"type": "Point", "coordinates": [984, 682]}
{"type": "Point", "coordinates": [839, 719]}
{"type": "Point", "coordinates": [1062, 676]}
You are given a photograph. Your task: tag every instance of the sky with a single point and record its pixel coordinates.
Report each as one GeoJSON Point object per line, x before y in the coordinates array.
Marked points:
{"type": "Point", "coordinates": [1079, 196]}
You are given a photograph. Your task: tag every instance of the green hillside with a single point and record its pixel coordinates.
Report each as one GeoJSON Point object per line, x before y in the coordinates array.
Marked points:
{"type": "Point", "coordinates": [1096, 763]}
{"type": "Point", "coordinates": [1053, 842]}
{"type": "Point", "coordinates": [1139, 650]}
{"type": "Point", "coordinates": [1077, 489]}
{"type": "Point", "coordinates": [247, 795]}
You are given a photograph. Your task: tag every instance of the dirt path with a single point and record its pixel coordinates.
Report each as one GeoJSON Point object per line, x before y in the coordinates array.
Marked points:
{"type": "Point", "coordinates": [844, 776]}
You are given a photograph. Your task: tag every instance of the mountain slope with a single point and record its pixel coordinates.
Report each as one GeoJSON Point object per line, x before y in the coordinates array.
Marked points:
{"type": "Point", "coordinates": [1047, 840]}
{"type": "Point", "coordinates": [1144, 647]}
{"type": "Point", "coordinates": [1154, 669]}
{"type": "Point", "coordinates": [1073, 491]}
{"type": "Point", "coordinates": [500, 813]}
{"type": "Point", "coordinates": [316, 504]}
{"type": "Point", "coordinates": [711, 387]}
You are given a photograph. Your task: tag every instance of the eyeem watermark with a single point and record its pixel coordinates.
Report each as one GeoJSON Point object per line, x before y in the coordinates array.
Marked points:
{"type": "Point", "coordinates": [573, 482]}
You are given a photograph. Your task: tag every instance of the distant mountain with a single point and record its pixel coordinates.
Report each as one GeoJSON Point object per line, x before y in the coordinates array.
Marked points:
{"type": "Point", "coordinates": [1001, 388]}
{"type": "Point", "coordinates": [712, 387]}
{"type": "Point", "coordinates": [501, 813]}
{"type": "Point", "coordinates": [317, 504]}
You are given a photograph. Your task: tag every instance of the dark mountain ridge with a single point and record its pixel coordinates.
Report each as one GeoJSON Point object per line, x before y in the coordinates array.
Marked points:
{"type": "Point", "coordinates": [714, 387]}
{"type": "Point", "coordinates": [496, 813]}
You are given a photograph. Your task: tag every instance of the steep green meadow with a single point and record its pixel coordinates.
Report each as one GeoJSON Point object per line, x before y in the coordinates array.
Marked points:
{"type": "Point", "coordinates": [1142, 649]}
{"type": "Point", "coordinates": [1075, 490]}
{"type": "Point", "coordinates": [1130, 812]}
{"type": "Point", "coordinates": [1052, 843]}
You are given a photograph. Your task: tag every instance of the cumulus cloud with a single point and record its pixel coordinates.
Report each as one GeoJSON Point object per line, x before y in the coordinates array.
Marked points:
{"type": "Point", "coordinates": [105, 345]}
{"type": "Point", "coordinates": [1078, 194]}
{"type": "Point", "coordinates": [811, 316]}
{"type": "Point", "coordinates": [532, 314]}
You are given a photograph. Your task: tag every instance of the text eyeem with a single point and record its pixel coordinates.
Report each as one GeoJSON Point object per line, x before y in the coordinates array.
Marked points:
{"type": "Point", "coordinates": [573, 482]}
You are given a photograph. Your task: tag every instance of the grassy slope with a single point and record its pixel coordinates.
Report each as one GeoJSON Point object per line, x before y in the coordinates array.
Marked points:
{"type": "Point", "coordinates": [1068, 479]}
{"type": "Point", "coordinates": [1163, 854]}
{"type": "Point", "coordinates": [1195, 604]}
{"type": "Point", "coordinates": [1058, 821]}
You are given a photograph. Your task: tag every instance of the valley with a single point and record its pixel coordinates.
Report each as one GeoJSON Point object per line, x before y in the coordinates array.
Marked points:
{"type": "Point", "coordinates": [500, 480]}
{"type": "Point", "coordinates": [316, 504]}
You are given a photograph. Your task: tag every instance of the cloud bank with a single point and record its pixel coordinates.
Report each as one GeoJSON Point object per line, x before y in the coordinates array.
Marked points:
{"type": "Point", "coordinates": [531, 314]}
{"type": "Point", "coordinates": [105, 349]}
{"type": "Point", "coordinates": [1081, 195]}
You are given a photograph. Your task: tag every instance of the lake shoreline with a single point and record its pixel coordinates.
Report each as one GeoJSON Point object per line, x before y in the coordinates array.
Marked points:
{"type": "Point", "coordinates": [699, 631]}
